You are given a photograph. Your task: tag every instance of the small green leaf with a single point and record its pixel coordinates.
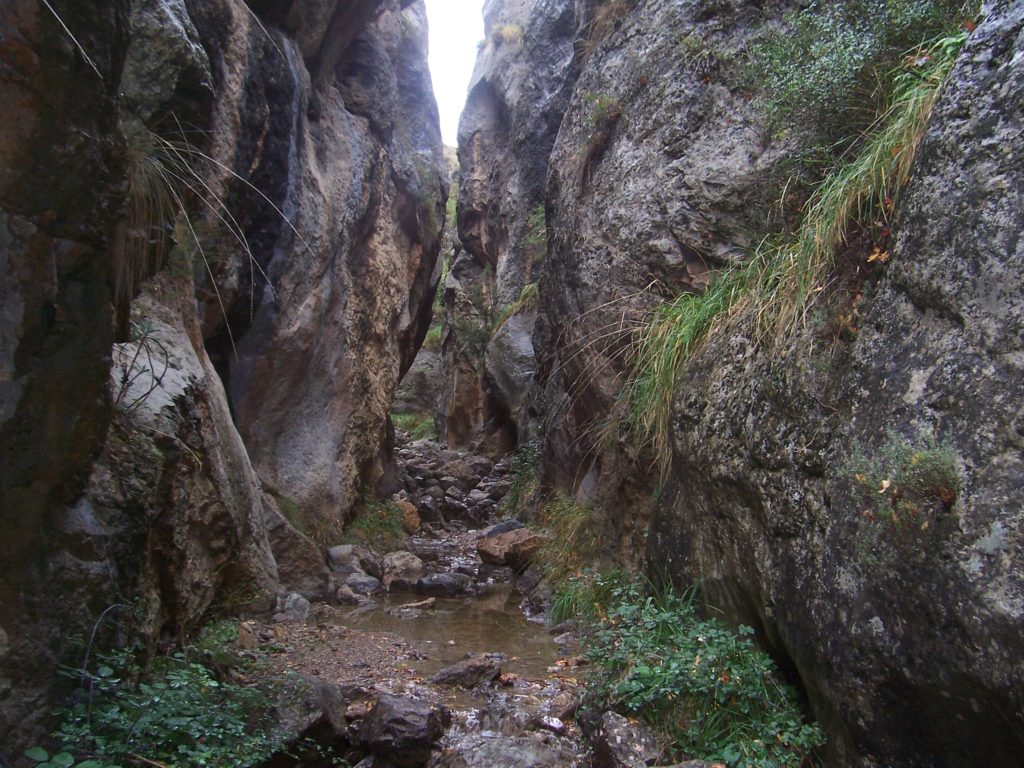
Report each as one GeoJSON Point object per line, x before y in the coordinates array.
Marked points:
{"type": "Point", "coordinates": [37, 753]}
{"type": "Point", "coordinates": [64, 759]}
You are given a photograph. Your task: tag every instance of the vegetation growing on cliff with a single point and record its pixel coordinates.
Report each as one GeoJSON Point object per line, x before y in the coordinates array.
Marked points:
{"type": "Point", "coordinates": [855, 200]}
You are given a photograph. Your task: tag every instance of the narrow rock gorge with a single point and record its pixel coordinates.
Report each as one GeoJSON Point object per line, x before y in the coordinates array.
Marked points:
{"type": "Point", "coordinates": [723, 318]}
{"type": "Point", "coordinates": [279, 166]}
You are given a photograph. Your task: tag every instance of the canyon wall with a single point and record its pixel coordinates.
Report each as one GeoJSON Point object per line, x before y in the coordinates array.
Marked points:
{"type": "Point", "coordinates": [903, 634]}
{"type": "Point", "coordinates": [517, 95]}
{"type": "Point", "coordinates": [285, 160]}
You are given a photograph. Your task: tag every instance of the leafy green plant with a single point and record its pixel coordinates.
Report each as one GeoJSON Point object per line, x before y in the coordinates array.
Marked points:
{"type": "Point", "coordinates": [708, 690]}
{"type": "Point", "coordinates": [786, 272]}
{"type": "Point", "coordinates": [904, 483]}
{"type": "Point", "coordinates": [377, 526]}
{"type": "Point", "coordinates": [175, 712]}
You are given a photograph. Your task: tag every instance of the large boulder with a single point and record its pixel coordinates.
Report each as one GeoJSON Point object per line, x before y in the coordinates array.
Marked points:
{"type": "Point", "coordinates": [469, 673]}
{"type": "Point", "coordinates": [515, 548]}
{"type": "Point", "coordinates": [403, 731]}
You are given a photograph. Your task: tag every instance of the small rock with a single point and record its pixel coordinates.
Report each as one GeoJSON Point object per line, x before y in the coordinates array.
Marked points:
{"type": "Point", "coordinates": [342, 556]}
{"type": "Point", "coordinates": [410, 517]}
{"type": "Point", "coordinates": [293, 608]}
{"type": "Point", "coordinates": [444, 584]}
{"type": "Point", "coordinates": [619, 743]}
{"type": "Point", "coordinates": [402, 565]}
{"type": "Point", "coordinates": [553, 724]}
{"type": "Point", "coordinates": [503, 527]}
{"type": "Point", "coordinates": [468, 673]}
{"type": "Point", "coordinates": [346, 596]}
{"type": "Point", "coordinates": [476, 496]}
{"type": "Point", "coordinates": [362, 583]}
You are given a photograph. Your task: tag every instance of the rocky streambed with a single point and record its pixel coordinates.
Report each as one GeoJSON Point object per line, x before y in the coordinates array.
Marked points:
{"type": "Point", "coordinates": [439, 654]}
{"type": "Point", "coordinates": [432, 655]}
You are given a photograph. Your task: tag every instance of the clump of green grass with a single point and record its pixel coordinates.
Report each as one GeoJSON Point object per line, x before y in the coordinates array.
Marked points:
{"type": "Point", "coordinates": [787, 272]}
{"type": "Point", "coordinates": [377, 526]}
{"type": "Point", "coordinates": [418, 426]}
{"type": "Point", "coordinates": [432, 341]}
{"type": "Point", "coordinates": [904, 483]}
{"type": "Point", "coordinates": [535, 238]}
{"type": "Point", "coordinates": [527, 300]}
{"type": "Point", "coordinates": [706, 689]}
{"type": "Point", "coordinates": [587, 595]}
{"type": "Point", "coordinates": [572, 541]}
{"type": "Point", "coordinates": [507, 34]}
{"type": "Point", "coordinates": [293, 513]}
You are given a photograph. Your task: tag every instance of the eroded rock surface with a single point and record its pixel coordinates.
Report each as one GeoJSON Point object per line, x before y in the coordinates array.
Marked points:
{"type": "Point", "coordinates": [902, 627]}
{"type": "Point", "coordinates": [519, 91]}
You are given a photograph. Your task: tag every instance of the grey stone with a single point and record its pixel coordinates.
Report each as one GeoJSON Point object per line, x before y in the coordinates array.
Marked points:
{"type": "Point", "coordinates": [363, 584]}
{"type": "Point", "coordinates": [444, 584]}
{"type": "Point", "coordinates": [292, 607]}
{"type": "Point", "coordinates": [619, 743]}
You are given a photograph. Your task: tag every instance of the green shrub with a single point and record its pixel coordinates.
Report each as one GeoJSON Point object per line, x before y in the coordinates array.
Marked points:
{"type": "Point", "coordinates": [175, 712]}
{"type": "Point", "coordinates": [905, 484]}
{"type": "Point", "coordinates": [377, 526]}
{"type": "Point", "coordinates": [709, 692]}
{"type": "Point", "coordinates": [787, 272]}
{"type": "Point", "coordinates": [825, 74]}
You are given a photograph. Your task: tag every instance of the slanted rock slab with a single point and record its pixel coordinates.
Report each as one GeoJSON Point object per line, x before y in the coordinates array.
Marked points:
{"type": "Point", "coordinates": [469, 673]}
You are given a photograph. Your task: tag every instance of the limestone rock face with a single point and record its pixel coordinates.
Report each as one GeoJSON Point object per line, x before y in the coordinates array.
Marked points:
{"type": "Point", "coordinates": [312, 139]}
{"type": "Point", "coordinates": [660, 173]}
{"type": "Point", "coordinates": [519, 91]}
{"type": "Point", "coordinates": [316, 328]}
{"type": "Point", "coordinates": [902, 620]}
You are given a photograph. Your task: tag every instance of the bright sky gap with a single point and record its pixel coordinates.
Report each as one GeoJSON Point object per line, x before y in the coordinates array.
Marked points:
{"type": "Point", "coordinates": [456, 26]}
